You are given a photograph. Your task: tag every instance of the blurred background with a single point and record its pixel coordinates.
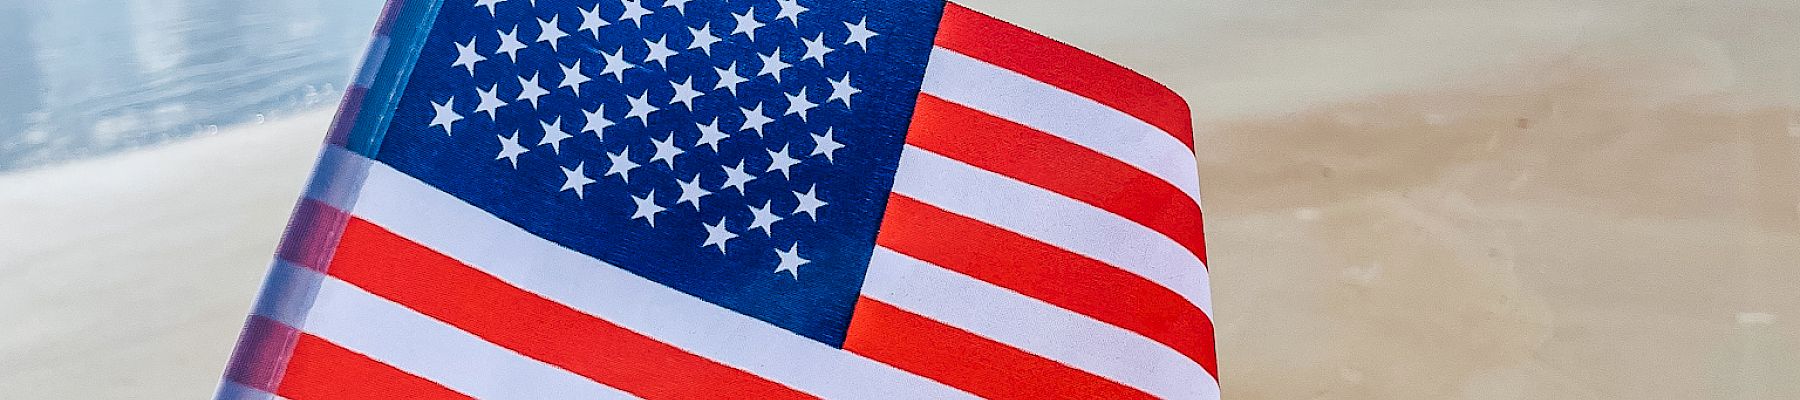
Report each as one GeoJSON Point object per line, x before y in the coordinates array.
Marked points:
{"type": "Point", "coordinates": [1406, 199]}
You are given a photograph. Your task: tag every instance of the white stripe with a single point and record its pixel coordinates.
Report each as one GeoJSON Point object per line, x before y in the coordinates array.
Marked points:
{"type": "Point", "coordinates": [1036, 327]}
{"type": "Point", "coordinates": [1051, 218]}
{"type": "Point", "coordinates": [1015, 97]}
{"type": "Point", "coordinates": [337, 177]}
{"type": "Point", "coordinates": [415, 210]}
{"type": "Point", "coordinates": [388, 332]}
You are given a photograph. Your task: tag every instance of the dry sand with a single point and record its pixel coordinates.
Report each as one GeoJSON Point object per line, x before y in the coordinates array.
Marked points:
{"type": "Point", "coordinates": [129, 276]}
{"type": "Point", "coordinates": [1405, 200]}
{"type": "Point", "coordinates": [1494, 200]}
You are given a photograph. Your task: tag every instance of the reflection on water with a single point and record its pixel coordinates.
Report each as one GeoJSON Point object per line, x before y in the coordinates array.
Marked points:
{"type": "Point", "coordinates": [85, 77]}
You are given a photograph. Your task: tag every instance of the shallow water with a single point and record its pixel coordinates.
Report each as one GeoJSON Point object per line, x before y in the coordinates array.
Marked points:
{"type": "Point", "coordinates": [88, 77]}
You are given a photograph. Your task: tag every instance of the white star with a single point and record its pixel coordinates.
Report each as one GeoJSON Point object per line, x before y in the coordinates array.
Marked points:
{"type": "Point", "coordinates": [666, 150]}
{"type": "Point", "coordinates": [635, 11]}
{"type": "Point", "coordinates": [641, 108]}
{"type": "Point", "coordinates": [529, 90]}
{"type": "Point", "coordinates": [717, 235]}
{"type": "Point", "coordinates": [647, 208]}
{"type": "Point", "coordinates": [790, 261]}
{"type": "Point", "coordinates": [763, 219]}
{"type": "Point", "coordinates": [573, 78]}
{"type": "Point", "coordinates": [798, 104]}
{"type": "Point", "coordinates": [446, 114]}
{"type": "Point", "coordinates": [729, 79]}
{"type": "Point", "coordinates": [466, 56]}
{"type": "Point", "coordinates": [680, 5]}
{"type": "Point", "coordinates": [747, 24]}
{"type": "Point", "coordinates": [809, 202]}
{"type": "Point", "coordinates": [825, 145]}
{"type": "Point", "coordinates": [510, 149]}
{"type": "Point", "coordinates": [710, 135]}
{"type": "Point", "coordinates": [735, 177]}
{"type": "Point", "coordinates": [510, 44]}
{"type": "Point", "coordinates": [554, 135]}
{"type": "Point", "coordinates": [616, 65]}
{"type": "Point", "coordinates": [489, 4]}
{"type": "Point", "coordinates": [781, 161]}
{"type": "Point", "coordinates": [703, 39]}
{"type": "Point", "coordinates": [490, 101]}
{"type": "Point", "coordinates": [772, 64]}
{"type": "Point", "coordinates": [596, 122]}
{"type": "Point", "coordinates": [659, 51]}
{"type": "Point", "coordinates": [575, 179]}
{"type": "Point", "coordinates": [841, 90]}
{"type": "Point", "coordinates": [860, 33]}
{"type": "Point", "coordinates": [591, 21]}
{"type": "Point", "coordinates": [691, 192]}
{"type": "Point", "coordinates": [816, 49]}
{"type": "Point", "coordinates": [549, 32]}
{"type": "Point", "coordinates": [684, 93]}
{"type": "Point", "coordinates": [754, 120]}
{"type": "Point", "coordinates": [621, 164]}
{"type": "Point", "coordinates": [790, 10]}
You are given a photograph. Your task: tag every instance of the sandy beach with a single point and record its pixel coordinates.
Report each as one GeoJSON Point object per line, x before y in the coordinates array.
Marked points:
{"type": "Point", "coordinates": [1405, 200]}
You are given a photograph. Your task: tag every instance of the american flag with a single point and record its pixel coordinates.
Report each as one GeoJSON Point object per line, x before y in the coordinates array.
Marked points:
{"type": "Point", "coordinates": [738, 199]}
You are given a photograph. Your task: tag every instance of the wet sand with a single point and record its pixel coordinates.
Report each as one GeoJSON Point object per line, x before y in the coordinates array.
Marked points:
{"type": "Point", "coordinates": [1405, 200]}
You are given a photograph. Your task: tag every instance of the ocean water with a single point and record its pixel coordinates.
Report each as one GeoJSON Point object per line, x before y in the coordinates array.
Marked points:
{"type": "Point", "coordinates": [89, 77]}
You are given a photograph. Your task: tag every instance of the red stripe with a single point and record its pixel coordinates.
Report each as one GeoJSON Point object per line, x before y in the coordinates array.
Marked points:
{"type": "Point", "coordinates": [322, 370]}
{"type": "Point", "coordinates": [345, 120]}
{"type": "Point", "coordinates": [262, 351]}
{"type": "Point", "coordinates": [967, 361]}
{"type": "Point", "coordinates": [312, 234]}
{"type": "Point", "coordinates": [436, 285]}
{"type": "Point", "coordinates": [1040, 159]}
{"type": "Point", "coordinates": [1045, 272]}
{"type": "Point", "coordinates": [1047, 60]}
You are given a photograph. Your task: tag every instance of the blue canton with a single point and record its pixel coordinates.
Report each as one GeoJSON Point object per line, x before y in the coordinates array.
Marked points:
{"type": "Point", "coordinates": [738, 151]}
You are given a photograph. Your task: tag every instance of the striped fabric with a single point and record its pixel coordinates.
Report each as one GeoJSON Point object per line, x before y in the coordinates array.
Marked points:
{"type": "Point", "coordinates": [1042, 239]}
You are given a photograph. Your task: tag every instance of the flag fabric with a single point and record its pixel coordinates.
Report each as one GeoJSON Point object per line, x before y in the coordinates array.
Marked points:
{"type": "Point", "coordinates": [738, 199]}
